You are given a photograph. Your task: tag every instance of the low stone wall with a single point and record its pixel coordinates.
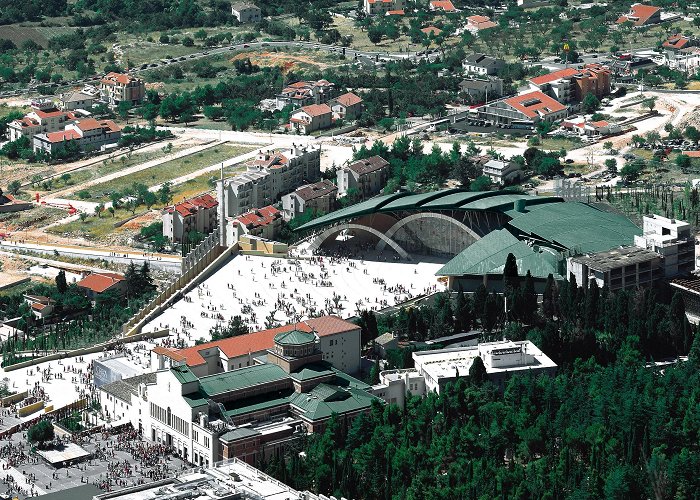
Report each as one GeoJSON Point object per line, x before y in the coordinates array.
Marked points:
{"type": "Point", "coordinates": [13, 398]}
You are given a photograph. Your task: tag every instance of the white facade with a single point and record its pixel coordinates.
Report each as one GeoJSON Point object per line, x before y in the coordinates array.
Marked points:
{"type": "Point", "coordinates": [381, 7]}
{"type": "Point", "coordinates": [673, 240]}
{"type": "Point", "coordinates": [246, 13]}
{"type": "Point", "coordinates": [502, 172]}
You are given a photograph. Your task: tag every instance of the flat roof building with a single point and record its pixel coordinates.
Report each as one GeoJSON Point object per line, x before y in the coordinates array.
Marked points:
{"type": "Point", "coordinates": [621, 268]}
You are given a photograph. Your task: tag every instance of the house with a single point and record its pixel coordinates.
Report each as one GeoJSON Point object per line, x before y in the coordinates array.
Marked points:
{"type": "Point", "coordinates": [265, 222]}
{"type": "Point", "coordinates": [480, 88]}
{"type": "Point", "coordinates": [525, 109]}
{"type": "Point", "coordinates": [196, 214]}
{"type": "Point", "coordinates": [118, 87]}
{"type": "Point", "coordinates": [431, 30]}
{"type": "Point", "coordinates": [479, 23]}
{"type": "Point", "coordinates": [97, 283]}
{"type": "Point", "coordinates": [42, 307]}
{"type": "Point", "coordinates": [270, 175]}
{"type": "Point", "coordinates": [246, 12]}
{"type": "Point", "coordinates": [80, 99]}
{"type": "Point", "coordinates": [503, 172]}
{"type": "Point", "coordinates": [43, 118]}
{"type": "Point", "coordinates": [88, 133]}
{"type": "Point", "coordinates": [382, 7]}
{"type": "Point", "coordinates": [347, 107]}
{"type": "Point", "coordinates": [385, 342]}
{"type": "Point", "coordinates": [311, 118]}
{"type": "Point", "coordinates": [641, 15]}
{"type": "Point", "coordinates": [442, 5]}
{"type": "Point", "coordinates": [367, 176]}
{"type": "Point", "coordinates": [572, 84]}
{"type": "Point", "coordinates": [319, 198]}
{"type": "Point", "coordinates": [395, 13]}
{"type": "Point", "coordinates": [482, 64]}
{"type": "Point", "coordinates": [303, 93]}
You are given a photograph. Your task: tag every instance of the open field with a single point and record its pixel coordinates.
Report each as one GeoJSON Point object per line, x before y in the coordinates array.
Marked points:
{"type": "Point", "coordinates": [202, 183]}
{"type": "Point", "coordinates": [6, 110]}
{"type": "Point", "coordinates": [557, 143]}
{"type": "Point", "coordinates": [95, 228]}
{"type": "Point", "coordinates": [39, 34]}
{"type": "Point", "coordinates": [168, 170]}
{"type": "Point", "coordinates": [35, 217]}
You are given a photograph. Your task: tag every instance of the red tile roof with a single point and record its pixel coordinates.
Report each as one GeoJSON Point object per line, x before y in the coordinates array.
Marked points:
{"type": "Point", "coordinates": [121, 78]}
{"type": "Point", "coordinates": [445, 5]}
{"type": "Point", "coordinates": [349, 99]}
{"type": "Point", "coordinates": [535, 104]}
{"type": "Point", "coordinates": [555, 75]}
{"type": "Point", "coordinates": [601, 123]}
{"type": "Point", "coordinates": [316, 109]}
{"type": "Point", "coordinates": [639, 14]}
{"type": "Point", "coordinates": [64, 135]}
{"type": "Point", "coordinates": [431, 30]}
{"type": "Point", "coordinates": [676, 42]}
{"type": "Point", "coordinates": [189, 207]}
{"type": "Point", "coordinates": [259, 218]}
{"type": "Point", "coordinates": [399, 12]}
{"type": "Point", "coordinates": [692, 154]}
{"type": "Point", "coordinates": [478, 19]}
{"type": "Point", "coordinates": [99, 282]}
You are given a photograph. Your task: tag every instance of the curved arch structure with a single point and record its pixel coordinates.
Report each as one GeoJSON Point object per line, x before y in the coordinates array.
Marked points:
{"type": "Point", "coordinates": [424, 215]}
{"type": "Point", "coordinates": [323, 236]}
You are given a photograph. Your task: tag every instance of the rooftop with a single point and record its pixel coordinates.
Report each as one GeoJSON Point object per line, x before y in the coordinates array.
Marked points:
{"type": "Point", "coordinates": [295, 337]}
{"type": "Point", "coordinates": [362, 167]}
{"type": "Point", "coordinates": [316, 190]}
{"type": "Point", "coordinates": [259, 217]}
{"type": "Point", "coordinates": [98, 282]}
{"type": "Point", "coordinates": [235, 380]}
{"type": "Point", "coordinates": [316, 109]}
{"type": "Point", "coordinates": [123, 389]}
{"type": "Point", "coordinates": [619, 257]}
{"type": "Point", "coordinates": [349, 99]}
{"type": "Point", "coordinates": [535, 104]}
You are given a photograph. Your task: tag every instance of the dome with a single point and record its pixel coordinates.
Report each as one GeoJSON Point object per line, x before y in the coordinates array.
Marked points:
{"type": "Point", "coordinates": [294, 337]}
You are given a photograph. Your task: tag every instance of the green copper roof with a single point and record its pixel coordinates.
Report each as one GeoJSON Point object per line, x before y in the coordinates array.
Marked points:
{"type": "Point", "coordinates": [325, 400]}
{"type": "Point", "coordinates": [257, 403]}
{"type": "Point", "coordinates": [312, 371]}
{"type": "Point", "coordinates": [183, 374]}
{"type": "Point", "coordinates": [294, 337]}
{"type": "Point", "coordinates": [239, 433]}
{"type": "Point", "coordinates": [242, 378]}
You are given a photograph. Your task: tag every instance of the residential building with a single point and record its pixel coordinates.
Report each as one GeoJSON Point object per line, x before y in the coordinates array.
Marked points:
{"type": "Point", "coordinates": [311, 118]}
{"type": "Point", "coordinates": [572, 84]}
{"type": "Point", "coordinates": [43, 118]}
{"type": "Point", "coordinates": [318, 198]}
{"type": "Point", "coordinates": [118, 87]}
{"type": "Point", "coordinates": [347, 107]}
{"type": "Point", "coordinates": [303, 93]}
{"type": "Point", "coordinates": [246, 12]}
{"type": "Point", "coordinates": [395, 13]}
{"type": "Point", "coordinates": [525, 109]}
{"type": "Point", "coordinates": [269, 176]}
{"type": "Point", "coordinates": [382, 7]}
{"type": "Point", "coordinates": [641, 15]}
{"type": "Point", "coordinates": [673, 240]}
{"type": "Point", "coordinates": [88, 133]}
{"type": "Point", "coordinates": [626, 267]}
{"type": "Point", "coordinates": [592, 129]}
{"type": "Point", "coordinates": [432, 30]}
{"type": "Point", "coordinates": [42, 307]}
{"type": "Point", "coordinates": [80, 99]}
{"type": "Point", "coordinates": [265, 222]}
{"type": "Point", "coordinates": [435, 369]}
{"type": "Point", "coordinates": [368, 176]}
{"type": "Point", "coordinates": [481, 88]}
{"type": "Point", "coordinates": [98, 283]}
{"type": "Point", "coordinates": [198, 214]}
{"type": "Point", "coordinates": [442, 6]}
{"type": "Point", "coordinates": [686, 59]}
{"type": "Point", "coordinates": [678, 42]}
{"type": "Point", "coordinates": [385, 342]}
{"type": "Point", "coordinates": [503, 172]}
{"type": "Point", "coordinates": [479, 23]}
{"type": "Point", "coordinates": [481, 64]}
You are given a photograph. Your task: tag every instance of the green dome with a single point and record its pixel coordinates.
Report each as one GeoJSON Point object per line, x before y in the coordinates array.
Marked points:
{"type": "Point", "coordinates": [295, 337]}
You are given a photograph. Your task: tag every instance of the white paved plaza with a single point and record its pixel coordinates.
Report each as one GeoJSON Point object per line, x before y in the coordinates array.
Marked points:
{"type": "Point", "coordinates": [292, 290]}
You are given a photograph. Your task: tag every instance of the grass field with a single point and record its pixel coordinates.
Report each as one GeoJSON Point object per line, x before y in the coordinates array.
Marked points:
{"type": "Point", "coordinates": [35, 217]}
{"type": "Point", "coordinates": [6, 110]}
{"type": "Point", "coordinates": [169, 170]}
{"type": "Point", "coordinates": [201, 183]}
{"type": "Point", "coordinates": [557, 143]}
{"type": "Point", "coordinates": [94, 228]}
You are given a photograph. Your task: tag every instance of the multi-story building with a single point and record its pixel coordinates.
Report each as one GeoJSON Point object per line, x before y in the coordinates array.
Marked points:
{"type": "Point", "coordinates": [270, 175]}
{"type": "Point", "coordinates": [367, 176]}
{"type": "Point", "coordinates": [673, 240]}
{"type": "Point", "coordinates": [44, 118]}
{"type": "Point", "coordinates": [81, 99]}
{"type": "Point", "coordinates": [382, 7]}
{"type": "Point", "coordinates": [304, 93]}
{"type": "Point", "coordinates": [502, 172]}
{"type": "Point", "coordinates": [525, 109]}
{"type": "Point", "coordinates": [481, 64]}
{"type": "Point", "coordinates": [246, 12]}
{"type": "Point", "coordinates": [625, 268]}
{"type": "Point", "coordinates": [481, 88]}
{"type": "Point", "coordinates": [572, 85]}
{"type": "Point", "coordinates": [88, 133]}
{"type": "Point", "coordinates": [265, 222]}
{"type": "Point", "coordinates": [347, 106]}
{"type": "Point", "coordinates": [319, 198]}
{"type": "Point", "coordinates": [198, 214]}
{"type": "Point", "coordinates": [310, 118]}
{"type": "Point", "coordinates": [118, 87]}
{"type": "Point", "coordinates": [641, 15]}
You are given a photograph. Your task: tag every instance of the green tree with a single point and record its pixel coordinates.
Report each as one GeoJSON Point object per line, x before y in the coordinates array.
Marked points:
{"type": "Point", "coordinates": [14, 187]}
{"type": "Point", "coordinates": [683, 161]}
{"type": "Point", "coordinates": [590, 103]}
{"type": "Point", "coordinates": [611, 166]}
{"type": "Point", "coordinates": [41, 432]}
{"type": "Point", "coordinates": [61, 283]}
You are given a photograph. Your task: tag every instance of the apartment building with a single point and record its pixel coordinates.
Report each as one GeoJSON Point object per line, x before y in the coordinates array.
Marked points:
{"type": "Point", "coordinates": [43, 118]}
{"type": "Point", "coordinates": [88, 133]}
{"type": "Point", "coordinates": [572, 84]}
{"type": "Point", "coordinates": [367, 176]}
{"type": "Point", "coordinates": [673, 240]}
{"type": "Point", "coordinates": [304, 93]}
{"type": "Point", "coordinates": [502, 172]}
{"type": "Point", "coordinates": [198, 214]}
{"type": "Point", "coordinates": [311, 118]}
{"type": "Point", "coordinates": [265, 222]}
{"type": "Point", "coordinates": [382, 7]}
{"type": "Point", "coordinates": [621, 268]}
{"type": "Point", "coordinates": [118, 87]}
{"type": "Point", "coordinates": [318, 198]}
{"type": "Point", "coordinates": [246, 13]}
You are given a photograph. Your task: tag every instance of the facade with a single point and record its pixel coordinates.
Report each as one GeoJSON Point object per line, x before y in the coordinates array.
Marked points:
{"type": "Point", "coordinates": [478, 23]}
{"type": "Point", "coordinates": [304, 93]}
{"type": "Point", "coordinates": [246, 13]}
{"type": "Point", "coordinates": [97, 283]}
{"type": "Point", "coordinates": [685, 59]}
{"type": "Point", "coordinates": [690, 290]}
{"type": "Point", "coordinates": [347, 107]}
{"type": "Point", "coordinates": [44, 118]}
{"type": "Point", "coordinates": [641, 15]}
{"type": "Point", "coordinates": [527, 108]}
{"type": "Point", "coordinates": [481, 88]}
{"type": "Point", "coordinates": [311, 118]}
{"type": "Point", "coordinates": [42, 307]}
{"type": "Point", "coordinates": [502, 172]}
{"type": "Point", "coordinates": [318, 198]}
{"type": "Point", "coordinates": [384, 343]}
{"type": "Point", "coordinates": [625, 268]}
{"type": "Point", "coordinates": [118, 87]}
{"type": "Point", "coordinates": [673, 240]}
{"type": "Point", "coordinates": [88, 133]}
{"type": "Point", "coordinates": [265, 222]}
{"type": "Point", "coordinates": [382, 7]}
{"type": "Point", "coordinates": [435, 369]}
{"type": "Point", "coordinates": [572, 85]}
{"type": "Point", "coordinates": [368, 176]}
{"type": "Point", "coordinates": [70, 101]}
{"type": "Point", "coordinates": [198, 214]}
{"type": "Point", "coordinates": [269, 176]}
{"type": "Point", "coordinates": [481, 64]}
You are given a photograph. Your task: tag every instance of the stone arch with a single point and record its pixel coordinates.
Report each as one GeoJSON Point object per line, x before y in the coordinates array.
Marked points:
{"type": "Point", "coordinates": [331, 231]}
{"type": "Point", "coordinates": [381, 244]}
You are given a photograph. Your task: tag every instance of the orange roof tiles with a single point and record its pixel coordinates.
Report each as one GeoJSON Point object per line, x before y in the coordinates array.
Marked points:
{"type": "Point", "coordinates": [64, 135]}
{"type": "Point", "coordinates": [639, 14]}
{"type": "Point", "coordinates": [399, 12]}
{"type": "Point", "coordinates": [259, 217]}
{"type": "Point", "coordinates": [535, 104]}
{"type": "Point", "coordinates": [555, 75]}
{"type": "Point", "coordinates": [120, 78]}
{"type": "Point", "coordinates": [676, 42]}
{"type": "Point", "coordinates": [349, 99]}
{"type": "Point", "coordinates": [444, 5]}
{"type": "Point", "coordinates": [99, 282]}
{"type": "Point", "coordinates": [431, 30]}
{"type": "Point", "coordinates": [316, 109]}
{"type": "Point", "coordinates": [188, 207]}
